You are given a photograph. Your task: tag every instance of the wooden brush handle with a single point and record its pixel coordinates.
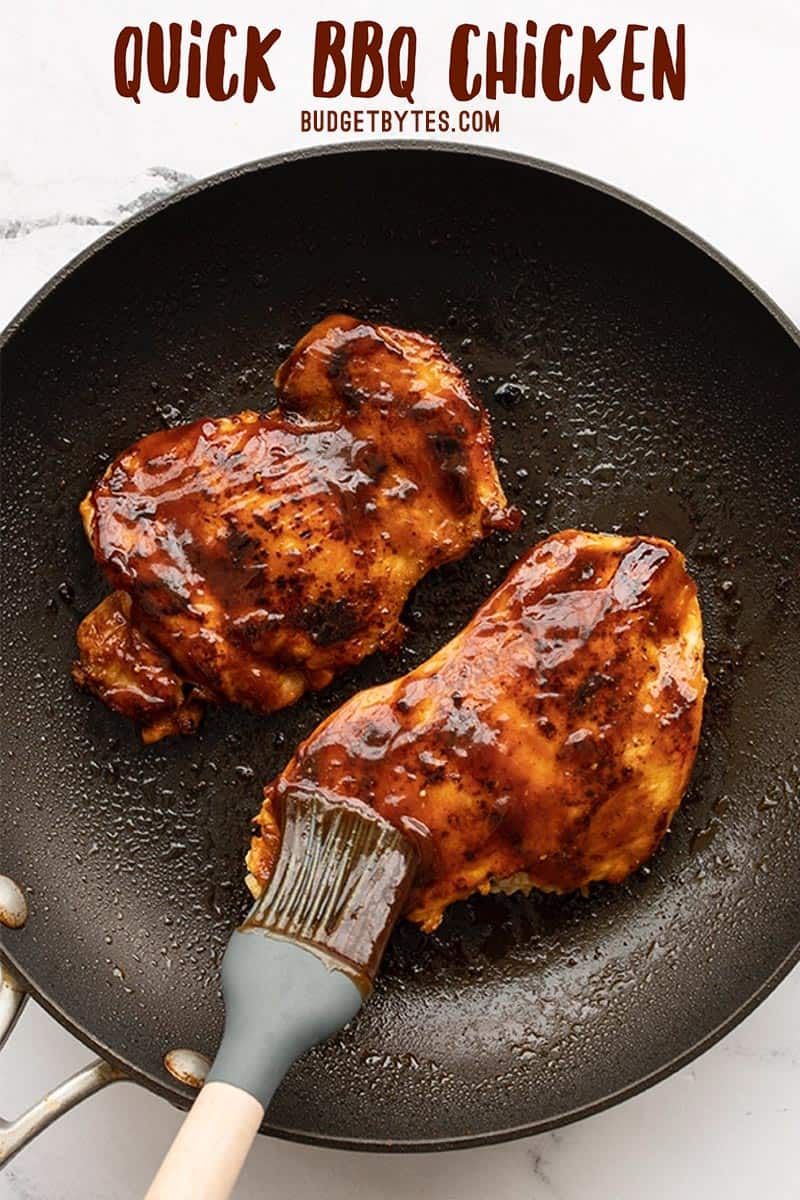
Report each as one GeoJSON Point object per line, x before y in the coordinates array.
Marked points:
{"type": "Point", "coordinates": [204, 1161]}
{"type": "Point", "coordinates": [279, 1001]}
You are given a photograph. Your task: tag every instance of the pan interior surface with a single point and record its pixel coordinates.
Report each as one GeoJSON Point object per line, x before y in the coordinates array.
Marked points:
{"type": "Point", "coordinates": [634, 385]}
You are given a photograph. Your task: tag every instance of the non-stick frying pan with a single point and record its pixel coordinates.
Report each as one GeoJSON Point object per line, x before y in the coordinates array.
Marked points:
{"type": "Point", "coordinates": [635, 383]}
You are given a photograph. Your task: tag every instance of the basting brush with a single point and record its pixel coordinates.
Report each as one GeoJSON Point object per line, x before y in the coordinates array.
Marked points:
{"type": "Point", "coordinates": [295, 972]}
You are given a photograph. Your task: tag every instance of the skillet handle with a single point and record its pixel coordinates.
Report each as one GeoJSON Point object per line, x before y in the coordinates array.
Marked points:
{"type": "Point", "coordinates": [15, 1135]}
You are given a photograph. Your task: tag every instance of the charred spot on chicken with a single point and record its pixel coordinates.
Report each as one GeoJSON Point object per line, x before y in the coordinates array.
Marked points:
{"type": "Point", "coordinates": [548, 745]}
{"type": "Point", "coordinates": [256, 556]}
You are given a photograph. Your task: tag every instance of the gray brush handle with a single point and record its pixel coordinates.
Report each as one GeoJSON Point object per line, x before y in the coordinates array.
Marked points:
{"type": "Point", "coordinates": [280, 1000]}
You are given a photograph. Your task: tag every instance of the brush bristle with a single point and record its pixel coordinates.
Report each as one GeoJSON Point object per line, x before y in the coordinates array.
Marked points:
{"type": "Point", "coordinates": [339, 883]}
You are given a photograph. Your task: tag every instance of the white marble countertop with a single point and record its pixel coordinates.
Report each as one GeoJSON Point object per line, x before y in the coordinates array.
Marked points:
{"type": "Point", "coordinates": [74, 160]}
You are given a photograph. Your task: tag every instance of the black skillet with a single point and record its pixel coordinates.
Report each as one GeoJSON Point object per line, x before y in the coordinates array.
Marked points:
{"type": "Point", "coordinates": [635, 383]}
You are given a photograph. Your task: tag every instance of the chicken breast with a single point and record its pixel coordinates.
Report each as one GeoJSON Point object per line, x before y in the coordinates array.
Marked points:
{"type": "Point", "coordinates": [256, 556]}
{"type": "Point", "coordinates": [548, 745]}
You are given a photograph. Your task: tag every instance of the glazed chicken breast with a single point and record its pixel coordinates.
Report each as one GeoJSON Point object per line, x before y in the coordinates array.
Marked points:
{"type": "Point", "coordinates": [255, 556]}
{"type": "Point", "coordinates": [548, 745]}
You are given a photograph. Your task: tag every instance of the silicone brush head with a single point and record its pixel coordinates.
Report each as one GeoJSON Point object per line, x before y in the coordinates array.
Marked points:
{"type": "Point", "coordinates": [339, 883]}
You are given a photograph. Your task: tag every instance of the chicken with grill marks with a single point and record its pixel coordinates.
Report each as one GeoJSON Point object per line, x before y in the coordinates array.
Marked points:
{"type": "Point", "coordinates": [253, 557]}
{"type": "Point", "coordinates": [548, 745]}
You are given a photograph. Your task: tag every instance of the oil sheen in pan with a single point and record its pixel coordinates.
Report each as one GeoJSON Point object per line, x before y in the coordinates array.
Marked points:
{"type": "Point", "coordinates": [633, 384]}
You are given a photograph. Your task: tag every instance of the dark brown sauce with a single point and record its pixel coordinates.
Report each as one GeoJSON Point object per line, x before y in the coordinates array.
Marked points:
{"type": "Point", "coordinates": [514, 746]}
{"type": "Point", "coordinates": [265, 552]}
{"type": "Point", "coordinates": [339, 884]}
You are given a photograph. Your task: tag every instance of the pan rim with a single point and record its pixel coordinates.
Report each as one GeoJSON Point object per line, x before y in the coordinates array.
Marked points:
{"type": "Point", "coordinates": [373, 145]}
{"type": "Point", "coordinates": [181, 1096]}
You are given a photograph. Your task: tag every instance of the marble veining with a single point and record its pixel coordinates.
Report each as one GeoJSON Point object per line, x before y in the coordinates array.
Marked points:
{"type": "Point", "coordinates": [693, 1131]}
{"type": "Point", "coordinates": [74, 164]}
